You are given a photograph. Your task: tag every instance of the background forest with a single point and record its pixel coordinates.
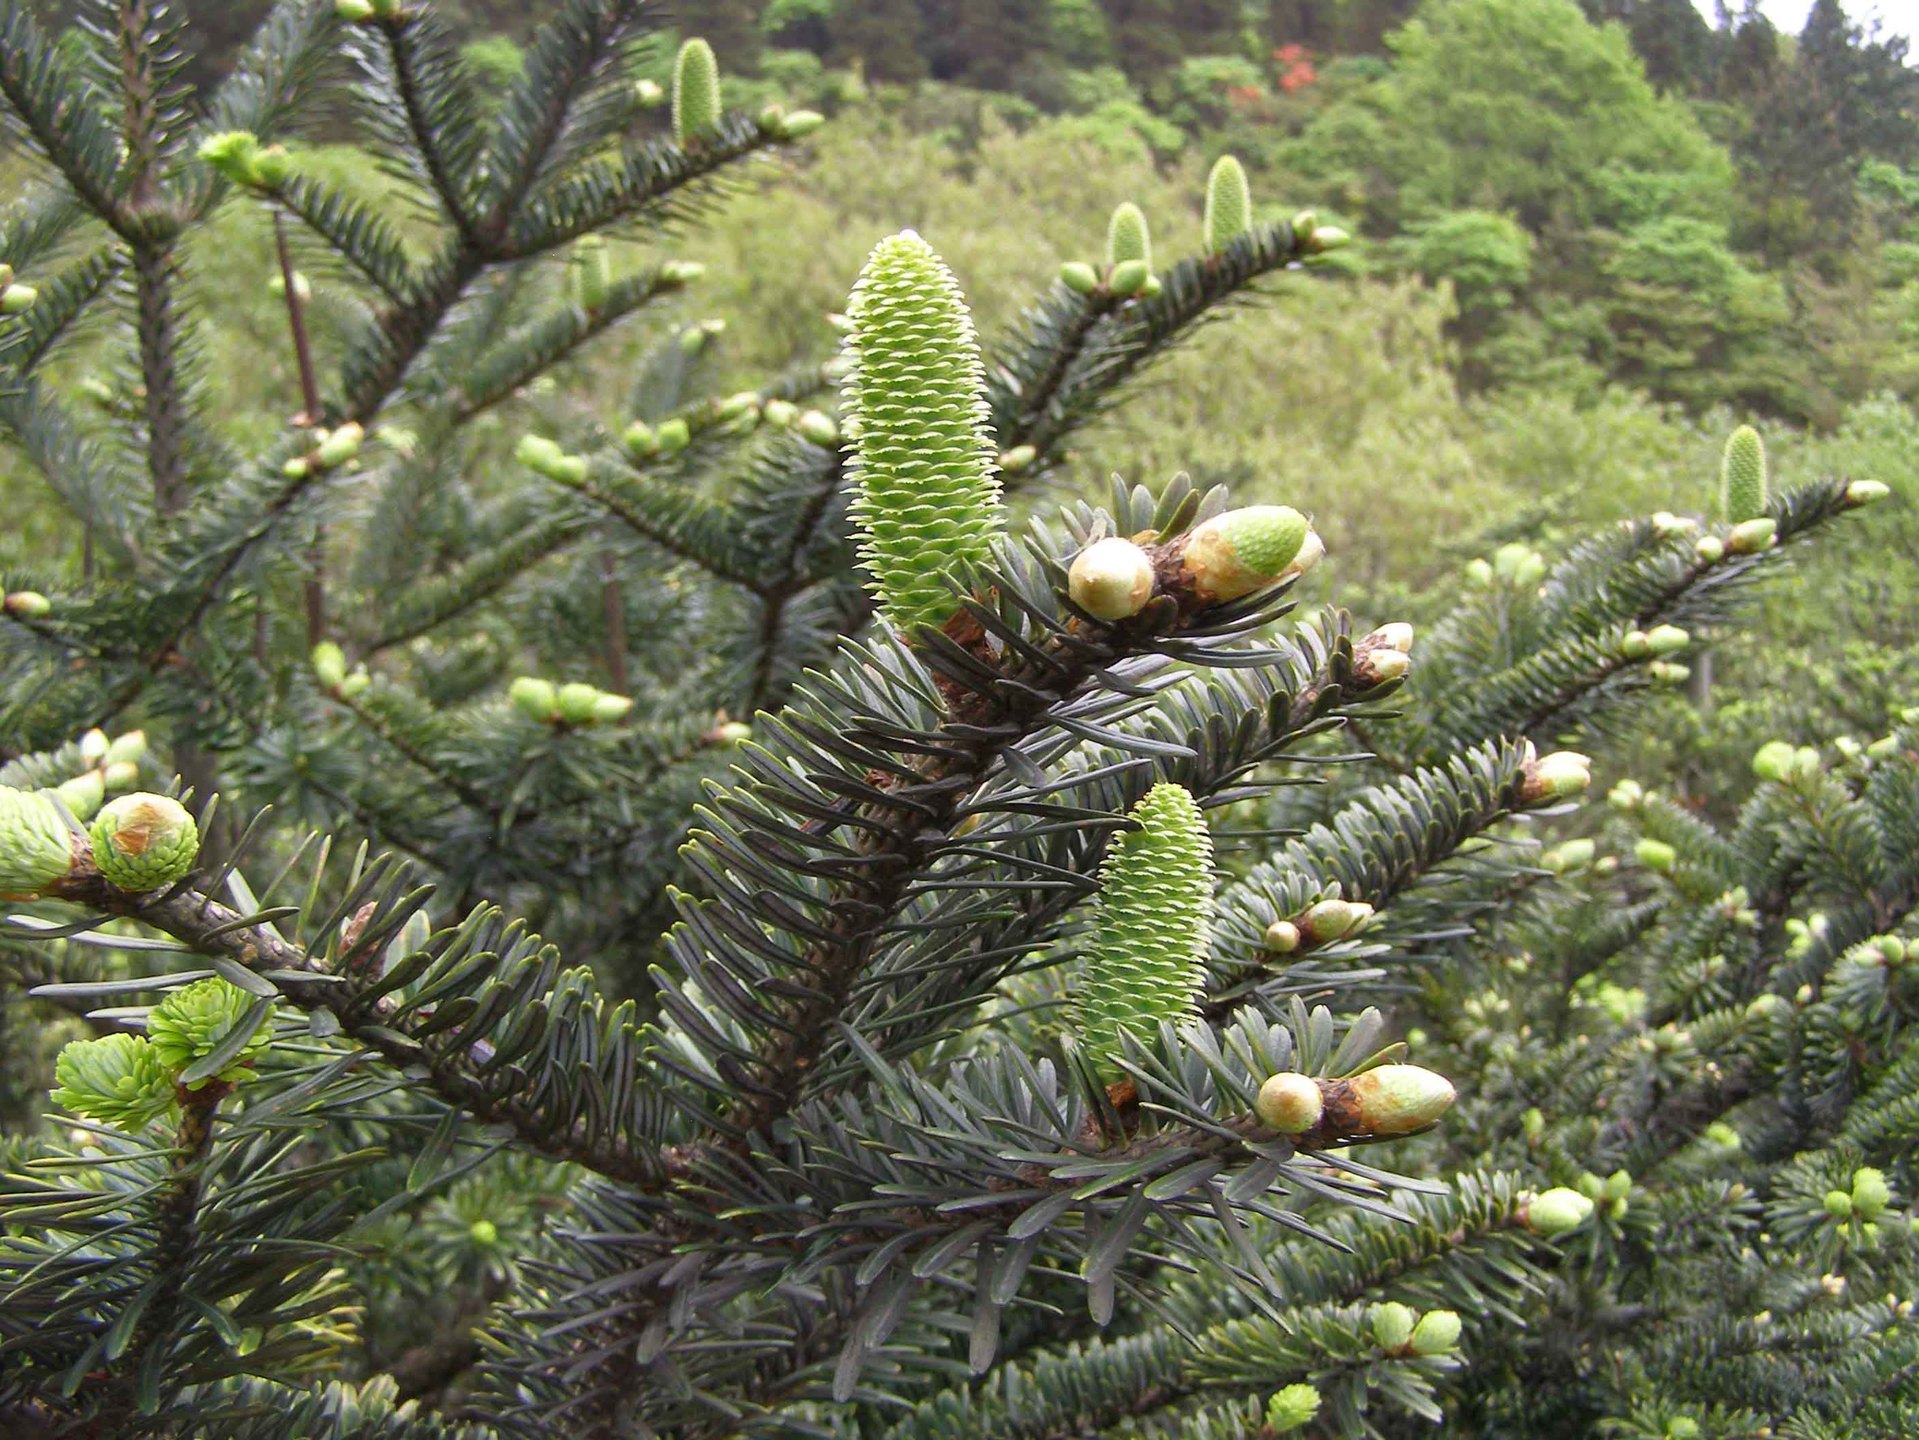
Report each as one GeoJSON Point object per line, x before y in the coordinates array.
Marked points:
{"type": "Point", "coordinates": [1587, 243]}
{"type": "Point", "coordinates": [1589, 240]}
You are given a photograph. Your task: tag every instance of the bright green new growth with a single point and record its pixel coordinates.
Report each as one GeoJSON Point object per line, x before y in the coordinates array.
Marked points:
{"type": "Point", "coordinates": [193, 1022]}
{"type": "Point", "coordinates": [1742, 476]}
{"type": "Point", "coordinates": [1127, 237]}
{"type": "Point", "coordinates": [143, 841]}
{"type": "Point", "coordinates": [35, 847]}
{"type": "Point", "coordinates": [928, 499]}
{"type": "Point", "coordinates": [1153, 927]}
{"type": "Point", "coordinates": [696, 91]}
{"type": "Point", "coordinates": [1229, 205]}
{"type": "Point", "coordinates": [119, 1080]}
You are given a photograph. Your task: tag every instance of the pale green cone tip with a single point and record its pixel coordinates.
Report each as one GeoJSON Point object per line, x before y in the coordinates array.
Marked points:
{"type": "Point", "coordinates": [193, 1022]}
{"type": "Point", "coordinates": [1398, 1099]}
{"type": "Point", "coordinates": [36, 848]}
{"type": "Point", "coordinates": [118, 1080]}
{"type": "Point", "coordinates": [1229, 205]}
{"type": "Point", "coordinates": [1742, 476]}
{"type": "Point", "coordinates": [1234, 554]}
{"type": "Point", "coordinates": [1154, 920]}
{"type": "Point", "coordinates": [1127, 237]}
{"type": "Point", "coordinates": [696, 91]}
{"type": "Point", "coordinates": [927, 501]}
{"type": "Point", "coordinates": [143, 841]}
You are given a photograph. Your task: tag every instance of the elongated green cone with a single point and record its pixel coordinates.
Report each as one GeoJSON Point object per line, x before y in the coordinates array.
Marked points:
{"type": "Point", "coordinates": [36, 848]}
{"type": "Point", "coordinates": [928, 499]}
{"type": "Point", "coordinates": [143, 841]}
{"type": "Point", "coordinates": [1155, 917]}
{"type": "Point", "coordinates": [1742, 476]}
{"type": "Point", "coordinates": [1229, 205]}
{"type": "Point", "coordinates": [696, 91]}
{"type": "Point", "coordinates": [1127, 237]}
{"type": "Point", "coordinates": [193, 1022]}
{"type": "Point", "coordinates": [118, 1080]}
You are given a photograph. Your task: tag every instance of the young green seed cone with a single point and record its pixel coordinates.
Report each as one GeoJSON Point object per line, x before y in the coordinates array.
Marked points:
{"type": "Point", "coordinates": [696, 91]}
{"type": "Point", "coordinates": [143, 841]}
{"type": "Point", "coordinates": [1155, 915]}
{"type": "Point", "coordinates": [118, 1080]}
{"type": "Point", "coordinates": [928, 499]}
{"type": "Point", "coordinates": [1234, 554]}
{"type": "Point", "coordinates": [1127, 237]}
{"type": "Point", "coordinates": [36, 848]}
{"type": "Point", "coordinates": [1742, 476]}
{"type": "Point", "coordinates": [1229, 205]}
{"type": "Point", "coordinates": [193, 1022]}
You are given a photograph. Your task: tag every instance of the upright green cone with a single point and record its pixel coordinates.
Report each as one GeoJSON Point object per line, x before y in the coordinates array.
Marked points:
{"type": "Point", "coordinates": [696, 92]}
{"type": "Point", "coordinates": [928, 498]}
{"type": "Point", "coordinates": [1229, 205]}
{"type": "Point", "coordinates": [1742, 476]}
{"type": "Point", "coordinates": [1127, 237]}
{"type": "Point", "coordinates": [1155, 918]}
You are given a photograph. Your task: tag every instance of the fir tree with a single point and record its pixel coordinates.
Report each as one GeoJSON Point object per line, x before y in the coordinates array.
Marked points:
{"type": "Point", "coordinates": [897, 1061]}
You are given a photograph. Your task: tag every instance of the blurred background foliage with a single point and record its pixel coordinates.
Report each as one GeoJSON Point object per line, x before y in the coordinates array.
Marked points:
{"type": "Point", "coordinates": [1592, 238]}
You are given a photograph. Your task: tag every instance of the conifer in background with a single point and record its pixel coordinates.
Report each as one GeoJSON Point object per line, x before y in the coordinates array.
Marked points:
{"type": "Point", "coordinates": [988, 978]}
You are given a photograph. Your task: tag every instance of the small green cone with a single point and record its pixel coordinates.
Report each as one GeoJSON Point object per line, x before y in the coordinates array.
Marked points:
{"type": "Point", "coordinates": [1742, 476]}
{"type": "Point", "coordinates": [1127, 237]}
{"type": "Point", "coordinates": [193, 1022]}
{"type": "Point", "coordinates": [118, 1080]}
{"type": "Point", "coordinates": [36, 848]}
{"type": "Point", "coordinates": [143, 841]}
{"type": "Point", "coordinates": [696, 91]}
{"type": "Point", "coordinates": [1229, 205]}
{"type": "Point", "coordinates": [1145, 962]}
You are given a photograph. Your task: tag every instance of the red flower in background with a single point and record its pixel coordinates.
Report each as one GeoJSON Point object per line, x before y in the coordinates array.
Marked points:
{"type": "Point", "coordinates": [1295, 64]}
